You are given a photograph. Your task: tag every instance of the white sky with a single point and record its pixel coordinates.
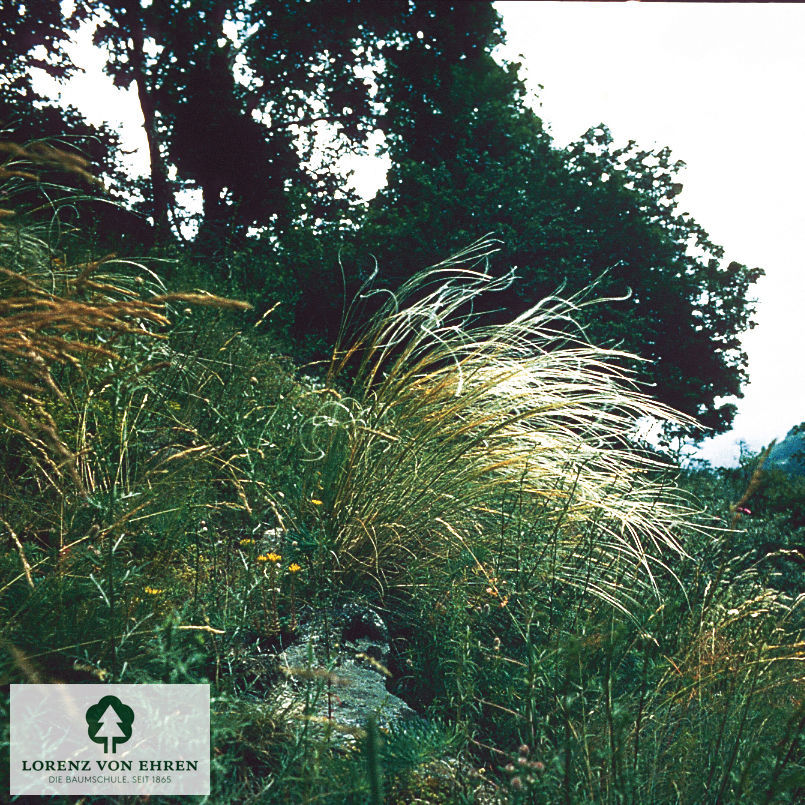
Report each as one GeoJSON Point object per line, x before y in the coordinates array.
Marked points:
{"type": "Point", "coordinates": [720, 83]}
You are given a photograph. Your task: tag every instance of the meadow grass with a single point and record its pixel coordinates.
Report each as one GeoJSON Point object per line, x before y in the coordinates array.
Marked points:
{"type": "Point", "coordinates": [570, 623]}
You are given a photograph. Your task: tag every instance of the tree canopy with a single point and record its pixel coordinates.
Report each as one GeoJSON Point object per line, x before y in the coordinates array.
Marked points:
{"type": "Point", "coordinates": [236, 96]}
{"type": "Point", "coordinates": [32, 36]}
{"type": "Point", "coordinates": [470, 157]}
{"type": "Point", "coordinates": [254, 103]}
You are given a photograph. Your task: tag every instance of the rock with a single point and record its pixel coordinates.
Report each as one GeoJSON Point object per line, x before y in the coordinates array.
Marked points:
{"type": "Point", "coordinates": [335, 673]}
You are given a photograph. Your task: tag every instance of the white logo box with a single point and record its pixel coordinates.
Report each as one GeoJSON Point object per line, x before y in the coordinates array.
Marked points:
{"type": "Point", "coordinates": [110, 739]}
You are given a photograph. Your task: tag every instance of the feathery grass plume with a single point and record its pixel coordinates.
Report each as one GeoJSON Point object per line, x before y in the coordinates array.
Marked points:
{"type": "Point", "coordinates": [444, 417]}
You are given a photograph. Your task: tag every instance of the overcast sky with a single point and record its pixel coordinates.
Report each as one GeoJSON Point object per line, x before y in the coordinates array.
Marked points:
{"type": "Point", "coordinates": [721, 84]}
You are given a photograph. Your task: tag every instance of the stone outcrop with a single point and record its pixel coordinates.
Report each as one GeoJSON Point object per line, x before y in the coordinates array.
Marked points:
{"type": "Point", "coordinates": [335, 672]}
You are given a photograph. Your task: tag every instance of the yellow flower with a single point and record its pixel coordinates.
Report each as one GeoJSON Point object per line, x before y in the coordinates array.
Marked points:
{"type": "Point", "coordinates": [153, 591]}
{"type": "Point", "coordinates": [270, 557]}
{"type": "Point", "coordinates": [294, 568]}
{"type": "Point", "coordinates": [173, 404]}
{"type": "Point", "coordinates": [246, 542]}
{"type": "Point", "coordinates": [316, 501]}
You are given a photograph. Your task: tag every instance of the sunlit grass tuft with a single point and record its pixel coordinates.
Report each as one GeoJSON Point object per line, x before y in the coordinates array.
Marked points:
{"type": "Point", "coordinates": [432, 423]}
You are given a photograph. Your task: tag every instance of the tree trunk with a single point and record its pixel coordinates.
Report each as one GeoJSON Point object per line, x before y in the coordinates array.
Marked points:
{"type": "Point", "coordinates": [161, 198]}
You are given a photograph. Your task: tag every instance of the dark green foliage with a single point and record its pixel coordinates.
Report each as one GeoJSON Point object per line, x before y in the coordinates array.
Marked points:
{"type": "Point", "coordinates": [373, 768]}
{"type": "Point", "coordinates": [234, 96]}
{"type": "Point", "coordinates": [32, 36]}
{"type": "Point", "coordinates": [469, 158]}
{"type": "Point", "coordinates": [771, 525]}
{"type": "Point", "coordinates": [233, 138]}
{"type": "Point", "coordinates": [36, 24]}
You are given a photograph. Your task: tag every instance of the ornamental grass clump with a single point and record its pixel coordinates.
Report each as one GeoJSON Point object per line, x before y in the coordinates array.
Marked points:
{"type": "Point", "coordinates": [57, 314]}
{"type": "Point", "coordinates": [436, 427]}
{"type": "Point", "coordinates": [89, 428]}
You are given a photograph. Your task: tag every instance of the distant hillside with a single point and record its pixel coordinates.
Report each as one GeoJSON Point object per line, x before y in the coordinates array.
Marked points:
{"type": "Point", "coordinates": [789, 454]}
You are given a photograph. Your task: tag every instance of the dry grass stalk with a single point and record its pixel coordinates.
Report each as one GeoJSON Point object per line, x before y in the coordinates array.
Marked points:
{"type": "Point", "coordinates": [53, 314]}
{"type": "Point", "coordinates": [25, 564]}
{"type": "Point", "coordinates": [44, 155]}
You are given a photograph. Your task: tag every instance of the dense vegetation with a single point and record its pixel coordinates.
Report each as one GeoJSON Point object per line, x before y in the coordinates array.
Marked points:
{"type": "Point", "coordinates": [573, 617]}
{"type": "Point", "coordinates": [252, 105]}
{"type": "Point", "coordinates": [483, 479]}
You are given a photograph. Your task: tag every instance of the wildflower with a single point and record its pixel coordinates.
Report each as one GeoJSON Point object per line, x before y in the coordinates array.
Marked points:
{"type": "Point", "coordinates": [743, 510]}
{"type": "Point", "coordinates": [153, 591]}
{"type": "Point", "coordinates": [246, 541]}
{"type": "Point", "coordinates": [316, 502]}
{"type": "Point", "coordinates": [293, 569]}
{"type": "Point", "coordinates": [517, 784]}
{"type": "Point", "coordinates": [273, 558]}
{"type": "Point", "coordinates": [524, 749]}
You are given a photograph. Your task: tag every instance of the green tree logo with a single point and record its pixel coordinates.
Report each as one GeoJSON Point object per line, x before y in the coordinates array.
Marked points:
{"type": "Point", "coordinates": [109, 722]}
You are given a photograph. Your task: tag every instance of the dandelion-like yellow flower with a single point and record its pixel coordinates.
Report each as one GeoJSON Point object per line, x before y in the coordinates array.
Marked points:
{"type": "Point", "coordinates": [246, 542]}
{"type": "Point", "coordinates": [316, 502]}
{"type": "Point", "coordinates": [153, 591]}
{"type": "Point", "coordinates": [294, 568]}
{"type": "Point", "coordinates": [269, 557]}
